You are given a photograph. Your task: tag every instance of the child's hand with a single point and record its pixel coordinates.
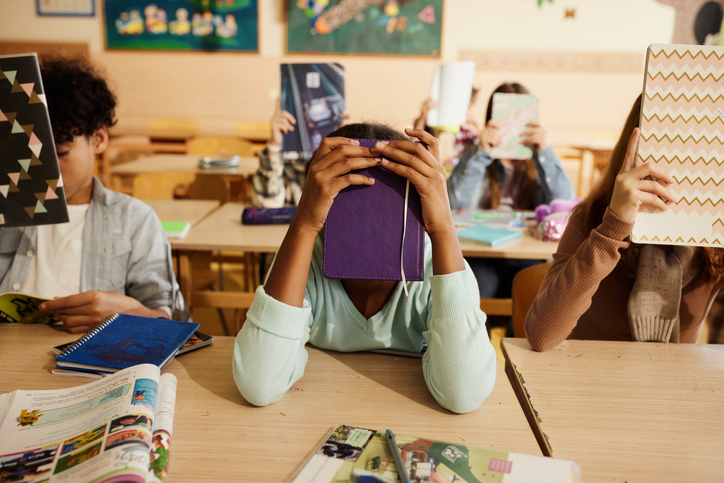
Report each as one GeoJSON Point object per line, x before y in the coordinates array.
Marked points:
{"type": "Point", "coordinates": [329, 173]}
{"type": "Point", "coordinates": [490, 136]}
{"type": "Point", "coordinates": [419, 162]}
{"type": "Point", "coordinates": [282, 122]}
{"type": "Point", "coordinates": [535, 137]}
{"type": "Point", "coordinates": [83, 311]}
{"type": "Point", "coordinates": [426, 107]}
{"type": "Point", "coordinates": [641, 187]}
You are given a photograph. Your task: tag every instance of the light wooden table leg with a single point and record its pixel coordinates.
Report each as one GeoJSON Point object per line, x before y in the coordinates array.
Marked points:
{"type": "Point", "coordinates": [185, 276]}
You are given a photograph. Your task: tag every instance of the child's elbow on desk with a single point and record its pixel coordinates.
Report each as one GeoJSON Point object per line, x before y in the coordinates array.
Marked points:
{"type": "Point", "coordinates": [253, 386]}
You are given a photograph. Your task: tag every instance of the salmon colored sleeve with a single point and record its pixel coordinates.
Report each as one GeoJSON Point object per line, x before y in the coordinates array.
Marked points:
{"type": "Point", "coordinates": [579, 266]}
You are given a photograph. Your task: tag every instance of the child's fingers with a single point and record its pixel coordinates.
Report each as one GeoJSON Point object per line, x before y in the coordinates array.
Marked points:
{"type": "Point", "coordinates": [350, 164]}
{"type": "Point", "coordinates": [432, 145]}
{"type": "Point", "coordinates": [344, 151]}
{"type": "Point", "coordinates": [628, 160]}
{"type": "Point", "coordinates": [328, 145]}
{"type": "Point", "coordinates": [652, 201]}
{"type": "Point", "coordinates": [347, 180]}
{"type": "Point", "coordinates": [654, 172]}
{"type": "Point", "coordinates": [288, 116]}
{"type": "Point", "coordinates": [654, 187]}
{"type": "Point", "coordinates": [410, 154]}
{"type": "Point", "coordinates": [412, 174]}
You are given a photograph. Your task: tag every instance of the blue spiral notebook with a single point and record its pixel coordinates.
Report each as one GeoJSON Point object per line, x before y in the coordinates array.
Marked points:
{"type": "Point", "coordinates": [123, 341]}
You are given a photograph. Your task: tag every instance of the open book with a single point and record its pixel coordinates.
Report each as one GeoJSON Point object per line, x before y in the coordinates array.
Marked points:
{"type": "Point", "coordinates": [363, 455]}
{"type": "Point", "coordinates": [23, 308]}
{"type": "Point", "coordinates": [114, 429]}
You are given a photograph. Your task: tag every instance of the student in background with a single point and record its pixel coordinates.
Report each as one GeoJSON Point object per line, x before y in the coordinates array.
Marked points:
{"type": "Point", "coordinates": [465, 139]}
{"type": "Point", "coordinates": [297, 304]}
{"type": "Point", "coordinates": [112, 257]}
{"type": "Point", "coordinates": [280, 177]}
{"type": "Point", "coordinates": [601, 286]}
{"type": "Point", "coordinates": [481, 182]}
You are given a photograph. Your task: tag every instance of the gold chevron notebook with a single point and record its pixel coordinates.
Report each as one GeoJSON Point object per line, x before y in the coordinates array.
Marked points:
{"type": "Point", "coordinates": [682, 130]}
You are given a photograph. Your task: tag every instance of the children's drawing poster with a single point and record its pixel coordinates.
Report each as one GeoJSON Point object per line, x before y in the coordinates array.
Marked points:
{"type": "Point", "coordinates": [682, 131]}
{"type": "Point", "coordinates": [182, 24]}
{"type": "Point", "coordinates": [513, 112]}
{"type": "Point", "coordinates": [393, 27]}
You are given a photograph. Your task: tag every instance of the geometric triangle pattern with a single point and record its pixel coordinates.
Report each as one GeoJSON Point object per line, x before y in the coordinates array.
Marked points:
{"type": "Point", "coordinates": [682, 132]}
{"type": "Point", "coordinates": [27, 196]}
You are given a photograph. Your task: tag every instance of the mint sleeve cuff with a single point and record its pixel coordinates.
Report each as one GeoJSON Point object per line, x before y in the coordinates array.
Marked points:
{"type": "Point", "coordinates": [278, 318]}
{"type": "Point", "coordinates": [452, 294]}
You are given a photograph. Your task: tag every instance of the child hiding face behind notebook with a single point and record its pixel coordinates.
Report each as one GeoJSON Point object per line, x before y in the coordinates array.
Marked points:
{"type": "Point", "coordinates": [297, 304]}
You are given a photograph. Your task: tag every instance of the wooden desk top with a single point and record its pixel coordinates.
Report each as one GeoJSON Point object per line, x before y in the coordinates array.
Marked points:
{"type": "Point", "coordinates": [525, 247]}
{"type": "Point", "coordinates": [627, 411]}
{"type": "Point", "coordinates": [218, 436]}
{"type": "Point", "coordinates": [222, 230]}
{"type": "Point", "coordinates": [184, 163]}
{"type": "Point", "coordinates": [192, 211]}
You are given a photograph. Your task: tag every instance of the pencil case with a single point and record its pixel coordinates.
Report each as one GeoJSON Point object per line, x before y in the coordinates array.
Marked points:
{"type": "Point", "coordinates": [253, 215]}
{"type": "Point", "coordinates": [210, 163]}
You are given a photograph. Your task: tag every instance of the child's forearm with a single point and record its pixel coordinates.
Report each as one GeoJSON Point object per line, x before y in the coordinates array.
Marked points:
{"type": "Point", "coordinates": [288, 277]}
{"type": "Point", "coordinates": [446, 254]}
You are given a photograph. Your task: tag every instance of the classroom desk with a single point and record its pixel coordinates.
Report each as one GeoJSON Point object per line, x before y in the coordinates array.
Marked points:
{"type": "Point", "coordinates": [136, 144]}
{"type": "Point", "coordinates": [218, 436]}
{"type": "Point", "coordinates": [122, 175]}
{"type": "Point", "coordinates": [192, 211]}
{"type": "Point", "coordinates": [222, 231]}
{"type": "Point", "coordinates": [625, 411]}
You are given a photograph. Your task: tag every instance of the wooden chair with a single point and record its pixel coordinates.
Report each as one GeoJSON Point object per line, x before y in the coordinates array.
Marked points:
{"type": "Point", "coordinates": [525, 288]}
{"type": "Point", "coordinates": [222, 146]}
{"type": "Point", "coordinates": [172, 129]}
{"type": "Point", "coordinates": [255, 131]}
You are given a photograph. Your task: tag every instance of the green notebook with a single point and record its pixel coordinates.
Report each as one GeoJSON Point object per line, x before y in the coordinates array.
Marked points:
{"type": "Point", "coordinates": [176, 229]}
{"type": "Point", "coordinates": [488, 235]}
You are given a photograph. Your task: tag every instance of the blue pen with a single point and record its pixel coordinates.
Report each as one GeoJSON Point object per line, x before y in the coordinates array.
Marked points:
{"type": "Point", "coordinates": [397, 456]}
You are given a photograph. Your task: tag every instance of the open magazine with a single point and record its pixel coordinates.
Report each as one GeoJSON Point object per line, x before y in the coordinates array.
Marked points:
{"type": "Point", "coordinates": [350, 454]}
{"type": "Point", "coordinates": [115, 429]}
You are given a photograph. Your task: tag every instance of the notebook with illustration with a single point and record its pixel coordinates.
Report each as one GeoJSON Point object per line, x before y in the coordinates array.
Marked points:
{"type": "Point", "coordinates": [363, 455]}
{"type": "Point", "coordinates": [682, 131]}
{"type": "Point", "coordinates": [31, 188]}
{"type": "Point", "coordinates": [363, 235]}
{"type": "Point", "coordinates": [123, 341]}
{"type": "Point", "coordinates": [314, 95]}
{"type": "Point", "coordinates": [513, 112]}
{"type": "Point", "coordinates": [488, 236]}
{"type": "Point", "coordinates": [24, 309]}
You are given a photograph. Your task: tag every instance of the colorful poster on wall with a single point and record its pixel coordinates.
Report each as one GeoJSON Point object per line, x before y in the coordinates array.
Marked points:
{"type": "Point", "coordinates": [182, 24]}
{"type": "Point", "coordinates": [392, 27]}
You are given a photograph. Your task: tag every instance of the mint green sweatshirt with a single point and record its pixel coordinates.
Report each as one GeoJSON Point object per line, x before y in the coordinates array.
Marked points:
{"type": "Point", "coordinates": [443, 310]}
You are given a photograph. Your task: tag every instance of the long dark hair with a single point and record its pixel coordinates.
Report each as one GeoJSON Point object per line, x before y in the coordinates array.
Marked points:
{"type": "Point", "coordinates": [595, 204]}
{"type": "Point", "coordinates": [529, 182]}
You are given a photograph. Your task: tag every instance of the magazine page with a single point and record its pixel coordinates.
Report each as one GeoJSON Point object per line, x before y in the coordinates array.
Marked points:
{"type": "Point", "coordinates": [163, 428]}
{"type": "Point", "coordinates": [350, 453]}
{"type": "Point", "coordinates": [95, 432]}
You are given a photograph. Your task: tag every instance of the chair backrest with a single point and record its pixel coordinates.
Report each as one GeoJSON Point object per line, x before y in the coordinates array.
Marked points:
{"type": "Point", "coordinates": [218, 146]}
{"type": "Point", "coordinates": [210, 187]}
{"type": "Point", "coordinates": [172, 129]}
{"type": "Point", "coordinates": [254, 131]}
{"type": "Point", "coordinates": [525, 287]}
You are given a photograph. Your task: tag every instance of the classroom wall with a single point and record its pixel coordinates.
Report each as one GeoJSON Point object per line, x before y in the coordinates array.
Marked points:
{"type": "Point", "coordinates": [220, 89]}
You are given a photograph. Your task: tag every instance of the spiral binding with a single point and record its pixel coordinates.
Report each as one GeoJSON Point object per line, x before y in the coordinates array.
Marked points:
{"type": "Point", "coordinates": [85, 338]}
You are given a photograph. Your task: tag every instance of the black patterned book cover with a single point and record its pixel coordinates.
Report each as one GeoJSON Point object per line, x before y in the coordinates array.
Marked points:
{"type": "Point", "coordinates": [31, 188]}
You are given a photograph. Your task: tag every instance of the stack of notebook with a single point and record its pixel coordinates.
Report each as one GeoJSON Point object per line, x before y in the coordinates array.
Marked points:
{"type": "Point", "coordinates": [123, 341]}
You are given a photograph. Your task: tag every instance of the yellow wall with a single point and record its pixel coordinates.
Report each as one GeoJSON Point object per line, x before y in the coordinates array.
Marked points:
{"type": "Point", "coordinates": [220, 89]}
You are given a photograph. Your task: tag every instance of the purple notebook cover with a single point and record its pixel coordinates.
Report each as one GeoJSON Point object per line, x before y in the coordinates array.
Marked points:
{"type": "Point", "coordinates": [363, 232]}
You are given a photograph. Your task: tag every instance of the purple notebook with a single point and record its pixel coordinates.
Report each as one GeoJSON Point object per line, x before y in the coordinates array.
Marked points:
{"type": "Point", "coordinates": [363, 232]}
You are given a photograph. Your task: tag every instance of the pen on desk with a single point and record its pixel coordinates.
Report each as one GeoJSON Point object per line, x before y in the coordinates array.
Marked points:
{"type": "Point", "coordinates": [397, 456]}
